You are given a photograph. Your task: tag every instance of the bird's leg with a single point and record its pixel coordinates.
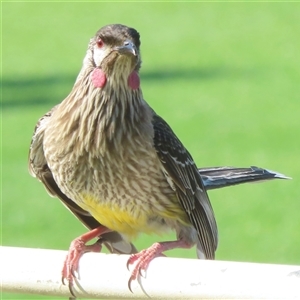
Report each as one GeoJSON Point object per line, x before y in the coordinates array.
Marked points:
{"type": "Point", "coordinates": [77, 248]}
{"type": "Point", "coordinates": [144, 257]}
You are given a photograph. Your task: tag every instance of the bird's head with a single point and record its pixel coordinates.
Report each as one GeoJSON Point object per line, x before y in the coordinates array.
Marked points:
{"type": "Point", "coordinates": [106, 101]}
{"type": "Point", "coordinates": [115, 55]}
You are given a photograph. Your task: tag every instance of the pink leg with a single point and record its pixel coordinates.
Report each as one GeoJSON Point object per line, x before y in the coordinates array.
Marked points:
{"type": "Point", "coordinates": [144, 257]}
{"type": "Point", "coordinates": [77, 248]}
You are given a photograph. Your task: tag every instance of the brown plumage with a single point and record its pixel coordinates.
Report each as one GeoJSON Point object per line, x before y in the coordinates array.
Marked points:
{"type": "Point", "coordinates": [107, 150]}
{"type": "Point", "coordinates": [38, 167]}
{"type": "Point", "coordinates": [116, 164]}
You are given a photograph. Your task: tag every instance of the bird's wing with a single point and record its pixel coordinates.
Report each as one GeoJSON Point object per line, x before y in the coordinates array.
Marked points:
{"type": "Point", "coordinates": [219, 177]}
{"type": "Point", "coordinates": [38, 167]}
{"type": "Point", "coordinates": [186, 181]}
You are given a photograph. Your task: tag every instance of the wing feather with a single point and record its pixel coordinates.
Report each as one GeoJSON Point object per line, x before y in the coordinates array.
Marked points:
{"type": "Point", "coordinates": [190, 190]}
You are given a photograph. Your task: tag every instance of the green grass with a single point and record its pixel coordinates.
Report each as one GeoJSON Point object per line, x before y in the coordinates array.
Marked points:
{"type": "Point", "coordinates": [224, 75]}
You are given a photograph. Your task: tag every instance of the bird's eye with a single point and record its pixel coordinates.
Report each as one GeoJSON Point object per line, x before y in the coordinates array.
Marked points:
{"type": "Point", "coordinates": [100, 43]}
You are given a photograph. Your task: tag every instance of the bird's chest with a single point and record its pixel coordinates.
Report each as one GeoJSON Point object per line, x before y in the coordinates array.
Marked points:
{"type": "Point", "coordinates": [124, 190]}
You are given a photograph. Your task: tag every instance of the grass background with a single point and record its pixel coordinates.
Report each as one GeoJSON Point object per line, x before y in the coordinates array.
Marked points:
{"type": "Point", "coordinates": [225, 76]}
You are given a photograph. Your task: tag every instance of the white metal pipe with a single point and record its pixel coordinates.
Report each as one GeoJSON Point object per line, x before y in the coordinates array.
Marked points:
{"type": "Point", "coordinates": [105, 276]}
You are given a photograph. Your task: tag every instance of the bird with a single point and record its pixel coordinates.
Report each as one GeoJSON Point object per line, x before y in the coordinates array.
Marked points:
{"type": "Point", "coordinates": [119, 167]}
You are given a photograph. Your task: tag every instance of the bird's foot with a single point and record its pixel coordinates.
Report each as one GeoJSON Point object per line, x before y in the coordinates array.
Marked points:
{"type": "Point", "coordinates": [143, 258]}
{"type": "Point", "coordinates": [77, 248]}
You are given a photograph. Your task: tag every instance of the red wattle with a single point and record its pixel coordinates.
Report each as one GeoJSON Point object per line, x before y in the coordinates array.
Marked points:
{"type": "Point", "coordinates": [98, 78]}
{"type": "Point", "coordinates": [134, 80]}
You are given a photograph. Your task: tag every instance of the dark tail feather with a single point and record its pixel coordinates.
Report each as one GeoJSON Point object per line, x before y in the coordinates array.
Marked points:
{"type": "Point", "coordinates": [219, 177]}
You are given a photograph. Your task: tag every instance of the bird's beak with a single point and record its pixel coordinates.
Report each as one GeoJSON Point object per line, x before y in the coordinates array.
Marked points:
{"type": "Point", "coordinates": [127, 48]}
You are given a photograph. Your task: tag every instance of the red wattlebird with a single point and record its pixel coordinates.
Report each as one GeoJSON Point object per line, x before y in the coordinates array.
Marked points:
{"type": "Point", "coordinates": [119, 167]}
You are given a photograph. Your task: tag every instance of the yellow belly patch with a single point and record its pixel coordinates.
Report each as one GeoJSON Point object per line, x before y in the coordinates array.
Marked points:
{"type": "Point", "coordinates": [129, 220]}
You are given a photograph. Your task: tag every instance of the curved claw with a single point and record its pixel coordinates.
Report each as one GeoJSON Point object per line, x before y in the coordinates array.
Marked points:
{"type": "Point", "coordinates": [137, 269]}
{"type": "Point", "coordinates": [129, 284]}
{"type": "Point", "coordinates": [71, 289]}
{"type": "Point", "coordinates": [141, 269]}
{"type": "Point", "coordinates": [128, 263]}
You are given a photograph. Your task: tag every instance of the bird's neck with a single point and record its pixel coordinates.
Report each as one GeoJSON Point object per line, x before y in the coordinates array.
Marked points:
{"type": "Point", "coordinates": [104, 118]}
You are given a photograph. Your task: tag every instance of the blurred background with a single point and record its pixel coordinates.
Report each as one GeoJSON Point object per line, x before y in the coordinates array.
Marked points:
{"type": "Point", "coordinates": [225, 76]}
